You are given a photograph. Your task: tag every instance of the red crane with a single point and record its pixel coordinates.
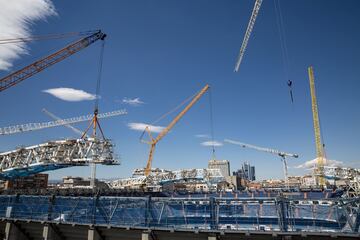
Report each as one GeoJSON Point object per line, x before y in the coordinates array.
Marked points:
{"type": "Point", "coordinates": [45, 62]}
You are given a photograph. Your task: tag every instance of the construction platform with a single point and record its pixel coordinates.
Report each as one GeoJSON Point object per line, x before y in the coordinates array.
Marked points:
{"type": "Point", "coordinates": [100, 217]}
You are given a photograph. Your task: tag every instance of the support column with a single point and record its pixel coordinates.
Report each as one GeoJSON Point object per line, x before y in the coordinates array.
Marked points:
{"type": "Point", "coordinates": [13, 232]}
{"type": "Point", "coordinates": [145, 236]}
{"type": "Point", "coordinates": [49, 233]}
{"type": "Point", "coordinates": [212, 237]}
{"type": "Point", "coordinates": [93, 234]}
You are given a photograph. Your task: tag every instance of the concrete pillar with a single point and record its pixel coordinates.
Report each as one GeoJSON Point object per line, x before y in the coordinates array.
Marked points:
{"type": "Point", "coordinates": [13, 232]}
{"type": "Point", "coordinates": [93, 234]}
{"type": "Point", "coordinates": [145, 236]}
{"type": "Point", "coordinates": [49, 233]}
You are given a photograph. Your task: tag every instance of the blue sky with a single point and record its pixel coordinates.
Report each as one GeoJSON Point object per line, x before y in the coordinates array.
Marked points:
{"type": "Point", "coordinates": [164, 51]}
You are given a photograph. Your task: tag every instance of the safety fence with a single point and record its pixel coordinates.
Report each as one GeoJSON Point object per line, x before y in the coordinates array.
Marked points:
{"type": "Point", "coordinates": [263, 214]}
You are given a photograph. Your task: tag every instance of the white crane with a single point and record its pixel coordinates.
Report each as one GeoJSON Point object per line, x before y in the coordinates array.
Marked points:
{"type": "Point", "coordinates": [37, 126]}
{"type": "Point", "coordinates": [248, 33]}
{"type": "Point", "coordinates": [283, 155]}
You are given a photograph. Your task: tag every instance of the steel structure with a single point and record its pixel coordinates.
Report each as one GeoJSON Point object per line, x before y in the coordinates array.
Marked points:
{"type": "Point", "coordinates": [208, 213]}
{"type": "Point", "coordinates": [45, 62]}
{"type": "Point", "coordinates": [158, 176]}
{"type": "Point", "coordinates": [26, 161]}
{"type": "Point", "coordinates": [283, 155]}
{"type": "Point", "coordinates": [320, 154]}
{"type": "Point", "coordinates": [153, 141]}
{"type": "Point", "coordinates": [37, 126]}
{"type": "Point", "coordinates": [247, 34]}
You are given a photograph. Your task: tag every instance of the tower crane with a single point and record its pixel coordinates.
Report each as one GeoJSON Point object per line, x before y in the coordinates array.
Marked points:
{"type": "Point", "coordinates": [45, 62]}
{"type": "Point", "coordinates": [37, 126]}
{"type": "Point", "coordinates": [153, 141]}
{"type": "Point", "coordinates": [320, 153]}
{"type": "Point", "coordinates": [248, 33]}
{"type": "Point", "coordinates": [283, 155]}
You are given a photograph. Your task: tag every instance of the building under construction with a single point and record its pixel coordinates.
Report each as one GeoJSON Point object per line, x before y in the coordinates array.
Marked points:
{"type": "Point", "coordinates": [154, 203]}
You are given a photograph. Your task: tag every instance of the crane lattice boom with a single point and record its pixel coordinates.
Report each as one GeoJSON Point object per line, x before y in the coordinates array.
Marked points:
{"type": "Point", "coordinates": [43, 63]}
{"type": "Point", "coordinates": [37, 126]}
{"type": "Point", "coordinates": [53, 116]}
{"type": "Point", "coordinates": [319, 171]}
{"type": "Point", "coordinates": [283, 155]}
{"type": "Point", "coordinates": [273, 151]}
{"type": "Point", "coordinates": [248, 33]}
{"type": "Point", "coordinates": [154, 141]}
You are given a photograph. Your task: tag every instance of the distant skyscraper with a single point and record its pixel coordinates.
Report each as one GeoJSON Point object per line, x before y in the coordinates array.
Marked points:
{"type": "Point", "coordinates": [246, 172]}
{"type": "Point", "coordinates": [252, 173]}
{"type": "Point", "coordinates": [223, 165]}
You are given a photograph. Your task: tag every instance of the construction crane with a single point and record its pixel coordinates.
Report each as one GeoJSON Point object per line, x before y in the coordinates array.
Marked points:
{"type": "Point", "coordinates": [320, 153]}
{"type": "Point", "coordinates": [45, 62]}
{"type": "Point", "coordinates": [37, 126]}
{"type": "Point", "coordinates": [248, 33]}
{"type": "Point", "coordinates": [153, 141]}
{"type": "Point", "coordinates": [283, 155]}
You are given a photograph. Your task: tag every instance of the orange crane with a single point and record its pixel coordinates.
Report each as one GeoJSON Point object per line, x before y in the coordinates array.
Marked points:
{"type": "Point", "coordinates": [45, 62]}
{"type": "Point", "coordinates": [153, 141]}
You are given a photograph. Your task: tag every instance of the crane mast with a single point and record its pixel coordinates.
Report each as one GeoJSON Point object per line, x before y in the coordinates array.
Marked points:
{"type": "Point", "coordinates": [319, 170]}
{"type": "Point", "coordinates": [154, 141]}
{"type": "Point", "coordinates": [283, 155]}
{"type": "Point", "coordinates": [45, 62]}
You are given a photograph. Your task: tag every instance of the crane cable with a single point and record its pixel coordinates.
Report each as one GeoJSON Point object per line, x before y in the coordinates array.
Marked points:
{"type": "Point", "coordinates": [212, 125]}
{"type": "Point", "coordinates": [95, 122]}
{"type": "Point", "coordinates": [166, 114]}
{"type": "Point", "coordinates": [283, 45]}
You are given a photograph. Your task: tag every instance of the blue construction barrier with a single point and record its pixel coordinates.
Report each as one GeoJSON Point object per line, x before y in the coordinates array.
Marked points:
{"type": "Point", "coordinates": [273, 214]}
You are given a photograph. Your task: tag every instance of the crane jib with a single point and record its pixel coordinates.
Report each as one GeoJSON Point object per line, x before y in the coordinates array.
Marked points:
{"type": "Point", "coordinates": [39, 65]}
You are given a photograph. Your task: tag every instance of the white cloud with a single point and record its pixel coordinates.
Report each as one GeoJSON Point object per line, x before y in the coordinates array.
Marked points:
{"type": "Point", "coordinates": [133, 102]}
{"type": "Point", "coordinates": [142, 126]}
{"type": "Point", "coordinates": [312, 163]}
{"type": "Point", "coordinates": [212, 143]}
{"type": "Point", "coordinates": [70, 94]}
{"type": "Point", "coordinates": [202, 136]}
{"type": "Point", "coordinates": [16, 18]}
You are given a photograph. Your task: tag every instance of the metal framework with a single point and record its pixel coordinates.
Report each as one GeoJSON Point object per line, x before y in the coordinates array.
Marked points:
{"type": "Point", "coordinates": [26, 72]}
{"type": "Point", "coordinates": [206, 213]}
{"type": "Point", "coordinates": [153, 141]}
{"type": "Point", "coordinates": [37, 126]}
{"type": "Point", "coordinates": [319, 170]}
{"type": "Point", "coordinates": [248, 33]}
{"type": "Point", "coordinates": [53, 155]}
{"type": "Point", "coordinates": [158, 176]}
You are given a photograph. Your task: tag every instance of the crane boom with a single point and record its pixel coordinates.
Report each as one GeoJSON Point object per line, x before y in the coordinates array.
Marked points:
{"type": "Point", "coordinates": [53, 116]}
{"type": "Point", "coordinates": [154, 141]}
{"type": "Point", "coordinates": [45, 62]}
{"type": "Point", "coordinates": [248, 33]}
{"type": "Point", "coordinates": [283, 155]}
{"type": "Point", "coordinates": [273, 151]}
{"type": "Point", "coordinates": [319, 170]}
{"type": "Point", "coordinates": [37, 126]}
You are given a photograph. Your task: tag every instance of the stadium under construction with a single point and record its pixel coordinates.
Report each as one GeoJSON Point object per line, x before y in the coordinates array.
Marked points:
{"type": "Point", "coordinates": [154, 203]}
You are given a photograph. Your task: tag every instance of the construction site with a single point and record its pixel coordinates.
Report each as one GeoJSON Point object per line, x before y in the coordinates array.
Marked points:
{"type": "Point", "coordinates": [219, 199]}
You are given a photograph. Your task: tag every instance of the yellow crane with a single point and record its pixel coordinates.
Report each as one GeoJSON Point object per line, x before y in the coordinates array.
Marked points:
{"type": "Point", "coordinates": [319, 169]}
{"type": "Point", "coordinates": [153, 141]}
